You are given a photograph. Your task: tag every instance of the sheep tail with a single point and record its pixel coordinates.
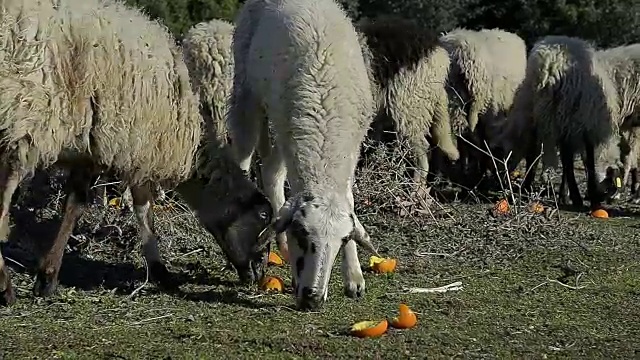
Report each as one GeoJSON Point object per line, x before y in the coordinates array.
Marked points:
{"type": "Point", "coordinates": [472, 116]}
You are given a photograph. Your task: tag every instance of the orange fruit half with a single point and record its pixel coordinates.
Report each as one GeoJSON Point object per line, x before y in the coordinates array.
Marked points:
{"type": "Point", "coordinates": [382, 265]}
{"type": "Point", "coordinates": [364, 329]}
{"type": "Point", "coordinates": [271, 283]}
{"type": "Point", "coordinates": [600, 213]}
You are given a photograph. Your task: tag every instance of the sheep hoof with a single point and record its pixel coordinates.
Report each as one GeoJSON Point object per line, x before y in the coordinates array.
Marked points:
{"type": "Point", "coordinates": [46, 284]}
{"type": "Point", "coordinates": [355, 288]}
{"type": "Point", "coordinates": [161, 276]}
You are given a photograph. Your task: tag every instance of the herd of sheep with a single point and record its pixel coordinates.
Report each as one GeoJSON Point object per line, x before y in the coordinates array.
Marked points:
{"type": "Point", "coordinates": [96, 87]}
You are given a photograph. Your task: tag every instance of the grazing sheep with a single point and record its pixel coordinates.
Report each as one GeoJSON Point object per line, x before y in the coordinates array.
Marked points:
{"type": "Point", "coordinates": [300, 75]}
{"type": "Point", "coordinates": [623, 66]}
{"type": "Point", "coordinates": [411, 69]}
{"type": "Point", "coordinates": [95, 86]}
{"type": "Point", "coordinates": [566, 100]}
{"type": "Point", "coordinates": [486, 68]}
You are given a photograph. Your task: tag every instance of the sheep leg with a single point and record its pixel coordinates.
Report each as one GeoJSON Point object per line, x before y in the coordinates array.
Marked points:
{"type": "Point", "coordinates": [420, 146]}
{"type": "Point", "coordinates": [562, 192]}
{"type": "Point", "coordinates": [142, 197]}
{"type": "Point", "coordinates": [634, 185]}
{"type": "Point", "coordinates": [9, 180]}
{"type": "Point", "coordinates": [352, 277]}
{"type": "Point", "coordinates": [245, 124]}
{"type": "Point", "coordinates": [567, 155]}
{"type": "Point", "coordinates": [127, 199]}
{"type": "Point", "coordinates": [633, 173]}
{"type": "Point", "coordinates": [593, 189]}
{"type": "Point", "coordinates": [78, 186]}
{"type": "Point", "coordinates": [273, 178]}
{"type": "Point", "coordinates": [530, 166]}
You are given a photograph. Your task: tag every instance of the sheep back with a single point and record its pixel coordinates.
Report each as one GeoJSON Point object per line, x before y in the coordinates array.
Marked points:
{"type": "Point", "coordinates": [303, 61]}
{"type": "Point", "coordinates": [208, 54]}
{"type": "Point", "coordinates": [411, 69]}
{"type": "Point", "coordinates": [478, 59]}
{"type": "Point", "coordinates": [622, 64]}
{"type": "Point", "coordinates": [106, 84]}
{"type": "Point", "coordinates": [568, 94]}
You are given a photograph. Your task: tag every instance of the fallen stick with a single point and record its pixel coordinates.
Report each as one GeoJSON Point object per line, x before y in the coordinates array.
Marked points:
{"type": "Point", "coordinates": [453, 286]}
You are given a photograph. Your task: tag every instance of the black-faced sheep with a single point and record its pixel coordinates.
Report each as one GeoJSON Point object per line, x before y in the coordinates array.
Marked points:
{"type": "Point", "coordinates": [486, 68]}
{"type": "Point", "coordinates": [411, 70]}
{"type": "Point", "coordinates": [568, 101]}
{"type": "Point", "coordinates": [299, 65]}
{"type": "Point", "coordinates": [96, 86]}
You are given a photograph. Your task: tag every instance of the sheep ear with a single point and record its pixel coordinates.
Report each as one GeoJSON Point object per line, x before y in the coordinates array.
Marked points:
{"type": "Point", "coordinates": [361, 237]}
{"type": "Point", "coordinates": [285, 216]}
{"type": "Point", "coordinates": [264, 238]}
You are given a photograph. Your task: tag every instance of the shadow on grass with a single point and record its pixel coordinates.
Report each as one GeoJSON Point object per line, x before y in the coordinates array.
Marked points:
{"type": "Point", "coordinates": [87, 274]}
{"type": "Point", "coordinates": [30, 235]}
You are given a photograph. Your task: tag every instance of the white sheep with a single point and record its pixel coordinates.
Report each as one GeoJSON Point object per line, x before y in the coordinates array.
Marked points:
{"type": "Point", "coordinates": [298, 64]}
{"type": "Point", "coordinates": [410, 70]}
{"type": "Point", "coordinates": [568, 101]}
{"type": "Point", "coordinates": [486, 68]}
{"type": "Point", "coordinates": [93, 86]}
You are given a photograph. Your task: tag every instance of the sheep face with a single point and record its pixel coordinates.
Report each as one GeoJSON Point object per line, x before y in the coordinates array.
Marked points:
{"type": "Point", "coordinates": [316, 230]}
{"type": "Point", "coordinates": [236, 223]}
{"type": "Point", "coordinates": [238, 237]}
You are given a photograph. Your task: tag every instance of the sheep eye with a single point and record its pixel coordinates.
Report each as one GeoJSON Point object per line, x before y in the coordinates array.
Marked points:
{"type": "Point", "coordinates": [264, 215]}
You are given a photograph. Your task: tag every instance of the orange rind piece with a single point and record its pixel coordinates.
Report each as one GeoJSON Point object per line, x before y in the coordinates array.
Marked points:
{"type": "Point", "coordinates": [405, 320]}
{"type": "Point", "coordinates": [275, 259]}
{"type": "Point", "coordinates": [501, 207]}
{"type": "Point", "coordinates": [536, 208]}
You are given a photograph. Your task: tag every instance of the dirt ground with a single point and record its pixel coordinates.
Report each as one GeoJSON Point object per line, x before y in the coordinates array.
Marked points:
{"type": "Point", "coordinates": [560, 285]}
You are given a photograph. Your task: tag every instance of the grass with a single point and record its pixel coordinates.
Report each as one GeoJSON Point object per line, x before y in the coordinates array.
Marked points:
{"type": "Point", "coordinates": [534, 286]}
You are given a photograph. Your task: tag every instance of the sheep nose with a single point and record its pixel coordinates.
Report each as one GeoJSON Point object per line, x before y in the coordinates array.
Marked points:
{"type": "Point", "coordinates": [310, 299]}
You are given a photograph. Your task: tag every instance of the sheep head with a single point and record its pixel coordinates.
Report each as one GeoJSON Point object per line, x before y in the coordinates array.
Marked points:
{"type": "Point", "coordinates": [317, 227]}
{"type": "Point", "coordinates": [235, 219]}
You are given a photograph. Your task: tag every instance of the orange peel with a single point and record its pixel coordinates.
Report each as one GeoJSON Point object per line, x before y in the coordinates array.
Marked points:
{"type": "Point", "coordinates": [405, 320]}
{"type": "Point", "coordinates": [382, 265]}
{"type": "Point", "coordinates": [275, 259]}
{"type": "Point", "coordinates": [600, 213]}
{"type": "Point", "coordinates": [271, 284]}
{"type": "Point", "coordinates": [501, 207]}
{"type": "Point", "coordinates": [364, 329]}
